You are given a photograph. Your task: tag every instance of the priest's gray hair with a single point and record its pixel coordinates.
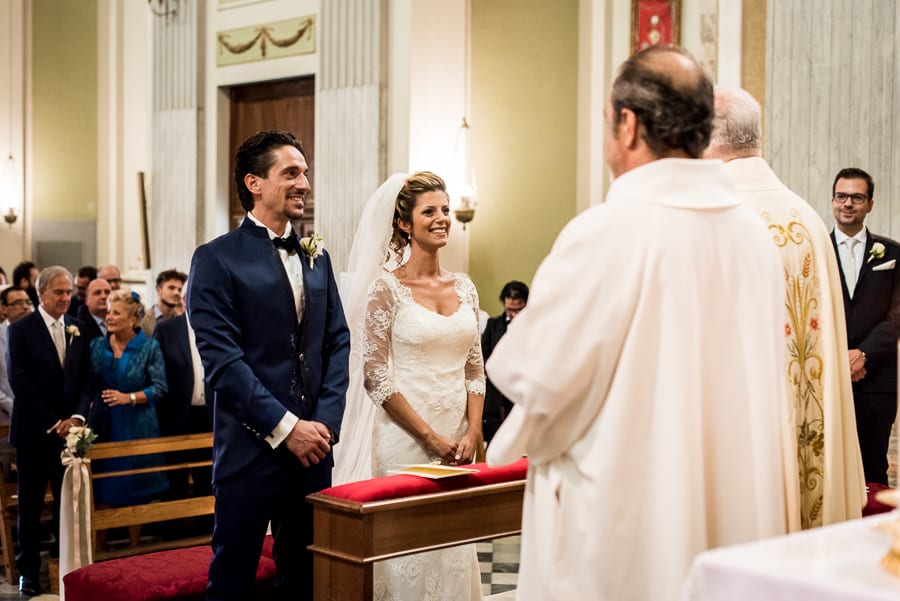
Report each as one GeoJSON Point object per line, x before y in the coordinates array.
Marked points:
{"type": "Point", "coordinates": [49, 273]}
{"type": "Point", "coordinates": [736, 126]}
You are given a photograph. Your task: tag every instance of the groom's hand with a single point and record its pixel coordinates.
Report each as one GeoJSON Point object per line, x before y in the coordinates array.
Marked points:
{"type": "Point", "coordinates": [309, 442]}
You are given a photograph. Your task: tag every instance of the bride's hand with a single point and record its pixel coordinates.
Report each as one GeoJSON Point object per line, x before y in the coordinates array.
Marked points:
{"type": "Point", "coordinates": [465, 451]}
{"type": "Point", "coordinates": [441, 446]}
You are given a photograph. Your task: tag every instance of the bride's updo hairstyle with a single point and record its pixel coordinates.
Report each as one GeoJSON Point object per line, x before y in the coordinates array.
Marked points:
{"type": "Point", "coordinates": [416, 184]}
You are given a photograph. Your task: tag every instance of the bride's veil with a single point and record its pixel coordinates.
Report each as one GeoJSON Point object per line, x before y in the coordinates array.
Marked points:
{"type": "Point", "coordinates": [369, 257]}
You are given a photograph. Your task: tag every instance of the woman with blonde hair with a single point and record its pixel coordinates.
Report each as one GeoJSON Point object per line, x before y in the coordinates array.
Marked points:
{"type": "Point", "coordinates": [130, 378]}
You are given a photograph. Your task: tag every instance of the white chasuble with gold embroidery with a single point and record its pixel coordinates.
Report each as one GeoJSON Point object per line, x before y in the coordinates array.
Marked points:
{"type": "Point", "coordinates": [646, 373]}
{"type": "Point", "coordinates": [817, 370]}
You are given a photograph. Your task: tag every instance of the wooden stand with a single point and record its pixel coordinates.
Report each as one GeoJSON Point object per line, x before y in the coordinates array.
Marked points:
{"type": "Point", "coordinates": [350, 536]}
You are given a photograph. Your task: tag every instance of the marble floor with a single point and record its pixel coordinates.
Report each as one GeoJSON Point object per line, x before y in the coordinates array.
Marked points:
{"type": "Point", "coordinates": [499, 562]}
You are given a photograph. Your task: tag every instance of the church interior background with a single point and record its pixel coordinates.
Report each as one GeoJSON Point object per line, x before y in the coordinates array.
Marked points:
{"type": "Point", "coordinates": [112, 112]}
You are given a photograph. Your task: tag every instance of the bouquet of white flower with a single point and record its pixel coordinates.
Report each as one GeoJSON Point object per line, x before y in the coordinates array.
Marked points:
{"type": "Point", "coordinates": [79, 441]}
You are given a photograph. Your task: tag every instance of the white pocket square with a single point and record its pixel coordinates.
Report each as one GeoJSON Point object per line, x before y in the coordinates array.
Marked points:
{"type": "Point", "coordinates": [885, 266]}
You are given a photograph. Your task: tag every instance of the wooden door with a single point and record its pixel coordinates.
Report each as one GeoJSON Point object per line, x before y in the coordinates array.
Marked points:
{"type": "Point", "coordinates": [287, 104]}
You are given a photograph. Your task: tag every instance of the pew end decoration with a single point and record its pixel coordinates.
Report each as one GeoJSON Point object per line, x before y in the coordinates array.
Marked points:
{"type": "Point", "coordinates": [76, 544]}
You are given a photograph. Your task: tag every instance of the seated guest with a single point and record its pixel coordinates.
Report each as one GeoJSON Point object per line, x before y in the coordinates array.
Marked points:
{"type": "Point", "coordinates": [130, 377]}
{"type": "Point", "coordinates": [93, 312]}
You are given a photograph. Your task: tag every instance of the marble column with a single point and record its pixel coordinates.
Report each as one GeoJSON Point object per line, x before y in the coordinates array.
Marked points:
{"type": "Point", "coordinates": [176, 180]}
{"type": "Point", "coordinates": [350, 117]}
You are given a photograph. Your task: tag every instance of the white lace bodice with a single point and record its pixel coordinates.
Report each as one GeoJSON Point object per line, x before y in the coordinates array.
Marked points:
{"type": "Point", "coordinates": [404, 341]}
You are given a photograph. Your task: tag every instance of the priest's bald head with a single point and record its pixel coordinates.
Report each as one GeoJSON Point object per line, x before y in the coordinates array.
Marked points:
{"type": "Point", "coordinates": [661, 106]}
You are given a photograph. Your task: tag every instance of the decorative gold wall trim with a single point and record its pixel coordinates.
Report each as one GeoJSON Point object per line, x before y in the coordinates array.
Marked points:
{"type": "Point", "coordinates": [287, 38]}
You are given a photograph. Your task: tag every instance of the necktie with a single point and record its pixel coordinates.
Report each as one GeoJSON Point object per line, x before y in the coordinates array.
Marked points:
{"type": "Point", "coordinates": [289, 243]}
{"type": "Point", "coordinates": [59, 340]}
{"type": "Point", "coordinates": [851, 271]}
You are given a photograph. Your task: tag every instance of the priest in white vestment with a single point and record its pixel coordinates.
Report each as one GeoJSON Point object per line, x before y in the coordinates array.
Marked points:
{"type": "Point", "coordinates": [646, 370]}
{"type": "Point", "coordinates": [817, 372]}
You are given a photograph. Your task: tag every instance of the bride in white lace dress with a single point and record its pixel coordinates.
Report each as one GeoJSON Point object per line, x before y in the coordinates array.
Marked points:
{"type": "Point", "coordinates": [422, 366]}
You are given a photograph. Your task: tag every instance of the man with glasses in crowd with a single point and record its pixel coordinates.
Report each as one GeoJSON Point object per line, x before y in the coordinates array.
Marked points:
{"type": "Point", "coordinates": [17, 305]}
{"type": "Point", "coordinates": [871, 290]}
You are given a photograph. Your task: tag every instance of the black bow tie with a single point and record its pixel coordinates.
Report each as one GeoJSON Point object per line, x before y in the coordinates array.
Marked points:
{"type": "Point", "coordinates": [289, 243]}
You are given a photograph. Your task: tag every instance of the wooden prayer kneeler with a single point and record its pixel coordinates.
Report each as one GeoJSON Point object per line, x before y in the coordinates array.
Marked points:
{"type": "Point", "coordinates": [359, 523]}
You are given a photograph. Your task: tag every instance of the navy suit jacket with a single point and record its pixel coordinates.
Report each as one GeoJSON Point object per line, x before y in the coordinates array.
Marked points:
{"type": "Point", "coordinates": [91, 329]}
{"type": "Point", "coordinates": [45, 392]}
{"type": "Point", "coordinates": [873, 316]}
{"type": "Point", "coordinates": [172, 408]}
{"type": "Point", "coordinates": [257, 360]}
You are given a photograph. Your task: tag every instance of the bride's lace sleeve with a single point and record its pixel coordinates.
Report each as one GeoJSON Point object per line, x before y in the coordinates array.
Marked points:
{"type": "Point", "coordinates": [378, 376]}
{"type": "Point", "coordinates": [474, 361]}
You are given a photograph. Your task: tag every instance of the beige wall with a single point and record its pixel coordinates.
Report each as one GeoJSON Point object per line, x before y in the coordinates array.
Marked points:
{"type": "Point", "coordinates": [524, 68]}
{"type": "Point", "coordinates": [64, 137]}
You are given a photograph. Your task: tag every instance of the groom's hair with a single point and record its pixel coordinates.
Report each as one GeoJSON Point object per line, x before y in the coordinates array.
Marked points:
{"type": "Point", "coordinates": [255, 156]}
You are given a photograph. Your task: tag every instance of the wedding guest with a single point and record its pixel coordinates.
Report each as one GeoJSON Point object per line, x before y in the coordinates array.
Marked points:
{"type": "Point", "coordinates": [25, 277]}
{"type": "Point", "coordinates": [84, 277]}
{"type": "Point", "coordinates": [514, 297]}
{"type": "Point", "coordinates": [871, 291]}
{"type": "Point", "coordinates": [647, 370]}
{"type": "Point", "coordinates": [111, 274]}
{"type": "Point", "coordinates": [96, 305]}
{"type": "Point", "coordinates": [16, 305]}
{"type": "Point", "coordinates": [130, 378]}
{"type": "Point", "coordinates": [49, 377]}
{"type": "Point", "coordinates": [169, 303]}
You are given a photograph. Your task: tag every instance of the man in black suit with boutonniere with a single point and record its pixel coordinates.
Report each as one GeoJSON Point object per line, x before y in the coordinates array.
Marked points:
{"type": "Point", "coordinates": [271, 332]}
{"type": "Point", "coordinates": [871, 286]}
{"type": "Point", "coordinates": [48, 371]}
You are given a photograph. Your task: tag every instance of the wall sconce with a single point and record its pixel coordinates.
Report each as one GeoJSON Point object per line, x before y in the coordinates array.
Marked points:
{"type": "Point", "coordinates": [465, 212]}
{"type": "Point", "coordinates": [8, 190]}
{"type": "Point", "coordinates": [163, 8]}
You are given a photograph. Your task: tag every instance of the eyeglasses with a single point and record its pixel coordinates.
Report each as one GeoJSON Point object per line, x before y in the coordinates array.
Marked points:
{"type": "Point", "coordinates": [21, 302]}
{"type": "Point", "coordinates": [857, 199]}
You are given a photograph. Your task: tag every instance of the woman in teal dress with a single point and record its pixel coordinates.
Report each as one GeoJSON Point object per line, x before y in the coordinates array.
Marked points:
{"type": "Point", "coordinates": [130, 378]}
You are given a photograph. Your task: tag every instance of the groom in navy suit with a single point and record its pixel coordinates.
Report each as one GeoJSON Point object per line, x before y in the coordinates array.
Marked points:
{"type": "Point", "coordinates": [870, 280]}
{"type": "Point", "coordinates": [271, 333]}
{"type": "Point", "coordinates": [48, 372]}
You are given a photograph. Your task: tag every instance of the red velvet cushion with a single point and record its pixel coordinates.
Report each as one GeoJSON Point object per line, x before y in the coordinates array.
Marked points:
{"type": "Point", "coordinates": [180, 574]}
{"type": "Point", "coordinates": [398, 486]}
{"type": "Point", "coordinates": [872, 506]}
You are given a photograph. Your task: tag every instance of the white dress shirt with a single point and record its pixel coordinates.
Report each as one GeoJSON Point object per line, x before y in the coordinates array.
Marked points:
{"type": "Point", "coordinates": [295, 274]}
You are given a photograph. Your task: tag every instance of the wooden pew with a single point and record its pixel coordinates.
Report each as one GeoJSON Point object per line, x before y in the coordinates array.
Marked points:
{"type": "Point", "coordinates": [355, 527]}
{"type": "Point", "coordinates": [135, 515]}
{"type": "Point", "coordinates": [161, 570]}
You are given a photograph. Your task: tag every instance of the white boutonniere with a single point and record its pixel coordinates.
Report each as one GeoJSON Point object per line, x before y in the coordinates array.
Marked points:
{"type": "Point", "coordinates": [79, 441]}
{"type": "Point", "coordinates": [876, 252]}
{"type": "Point", "coordinates": [73, 332]}
{"type": "Point", "coordinates": [313, 247]}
